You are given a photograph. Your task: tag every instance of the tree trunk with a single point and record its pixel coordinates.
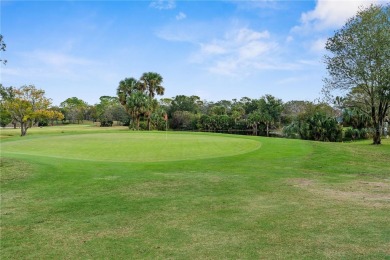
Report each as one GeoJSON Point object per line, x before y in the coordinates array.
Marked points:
{"type": "Point", "coordinates": [255, 129]}
{"type": "Point", "coordinates": [377, 135]}
{"type": "Point", "coordinates": [377, 124]}
{"type": "Point", "coordinates": [267, 129]}
{"type": "Point", "coordinates": [138, 119]}
{"type": "Point", "coordinates": [23, 128]}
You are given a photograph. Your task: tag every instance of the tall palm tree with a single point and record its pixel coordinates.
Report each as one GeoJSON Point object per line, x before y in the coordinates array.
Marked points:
{"type": "Point", "coordinates": [125, 88]}
{"type": "Point", "coordinates": [150, 82]}
{"type": "Point", "coordinates": [137, 104]}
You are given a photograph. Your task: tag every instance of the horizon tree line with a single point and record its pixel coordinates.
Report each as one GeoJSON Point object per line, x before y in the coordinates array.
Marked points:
{"type": "Point", "coordinates": [358, 67]}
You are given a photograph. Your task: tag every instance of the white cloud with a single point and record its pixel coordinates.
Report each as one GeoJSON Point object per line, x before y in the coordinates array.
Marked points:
{"type": "Point", "coordinates": [57, 59]}
{"type": "Point", "coordinates": [48, 64]}
{"type": "Point", "coordinates": [289, 39]}
{"type": "Point", "coordinates": [242, 43]}
{"type": "Point", "coordinates": [318, 45]}
{"type": "Point", "coordinates": [240, 52]}
{"type": "Point", "coordinates": [235, 50]}
{"type": "Point", "coordinates": [212, 48]}
{"type": "Point", "coordinates": [246, 35]}
{"type": "Point", "coordinates": [254, 49]}
{"type": "Point", "coordinates": [330, 14]}
{"type": "Point", "coordinates": [224, 67]}
{"type": "Point", "coordinates": [181, 16]}
{"type": "Point", "coordinates": [163, 4]}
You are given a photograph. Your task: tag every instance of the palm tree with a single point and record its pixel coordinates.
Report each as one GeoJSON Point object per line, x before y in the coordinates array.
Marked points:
{"type": "Point", "coordinates": [150, 82]}
{"type": "Point", "coordinates": [137, 104]}
{"type": "Point", "coordinates": [126, 88]}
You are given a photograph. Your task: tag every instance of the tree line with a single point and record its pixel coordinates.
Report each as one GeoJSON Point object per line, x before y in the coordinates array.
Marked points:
{"type": "Point", "coordinates": [358, 66]}
{"type": "Point", "coordinates": [136, 108]}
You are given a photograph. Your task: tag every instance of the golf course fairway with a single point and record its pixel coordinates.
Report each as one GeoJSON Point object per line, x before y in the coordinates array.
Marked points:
{"type": "Point", "coordinates": [85, 192]}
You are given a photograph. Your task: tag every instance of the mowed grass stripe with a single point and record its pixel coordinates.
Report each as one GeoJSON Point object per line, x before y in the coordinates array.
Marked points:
{"type": "Point", "coordinates": [133, 147]}
{"type": "Point", "coordinates": [290, 199]}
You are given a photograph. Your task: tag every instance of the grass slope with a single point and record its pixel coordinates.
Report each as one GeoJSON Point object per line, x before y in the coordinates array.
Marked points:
{"type": "Point", "coordinates": [287, 199]}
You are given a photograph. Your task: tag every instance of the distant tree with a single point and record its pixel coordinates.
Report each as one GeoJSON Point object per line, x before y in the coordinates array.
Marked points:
{"type": "Point", "coordinates": [137, 104]}
{"type": "Point", "coordinates": [74, 109]}
{"type": "Point", "coordinates": [158, 118]}
{"type": "Point", "coordinates": [133, 91]}
{"type": "Point", "coordinates": [250, 105]}
{"type": "Point", "coordinates": [270, 110]}
{"type": "Point", "coordinates": [360, 62]}
{"type": "Point", "coordinates": [218, 110]}
{"type": "Point", "coordinates": [151, 83]}
{"type": "Point", "coordinates": [266, 110]}
{"type": "Point", "coordinates": [165, 103]}
{"type": "Point", "coordinates": [183, 120]}
{"type": "Point", "coordinates": [109, 110]}
{"type": "Point", "coordinates": [3, 47]}
{"type": "Point", "coordinates": [26, 105]}
{"type": "Point", "coordinates": [316, 122]}
{"type": "Point", "coordinates": [91, 113]}
{"type": "Point", "coordinates": [292, 109]}
{"type": "Point", "coordinates": [49, 115]}
{"type": "Point", "coordinates": [227, 104]}
{"type": "Point", "coordinates": [237, 112]}
{"type": "Point", "coordinates": [222, 122]}
{"type": "Point", "coordinates": [184, 103]}
{"type": "Point", "coordinates": [253, 120]}
{"type": "Point", "coordinates": [126, 88]}
{"type": "Point", "coordinates": [5, 116]}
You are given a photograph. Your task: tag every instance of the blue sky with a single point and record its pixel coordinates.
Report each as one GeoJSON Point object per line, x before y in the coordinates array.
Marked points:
{"type": "Point", "coordinates": [214, 49]}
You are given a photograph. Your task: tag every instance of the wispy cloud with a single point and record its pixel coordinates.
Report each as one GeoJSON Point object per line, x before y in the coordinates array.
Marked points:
{"type": "Point", "coordinates": [239, 52]}
{"type": "Point", "coordinates": [163, 4]}
{"type": "Point", "coordinates": [252, 4]}
{"type": "Point", "coordinates": [57, 59]}
{"type": "Point", "coordinates": [191, 32]}
{"type": "Point", "coordinates": [181, 16]}
{"type": "Point", "coordinates": [318, 45]}
{"type": "Point", "coordinates": [39, 64]}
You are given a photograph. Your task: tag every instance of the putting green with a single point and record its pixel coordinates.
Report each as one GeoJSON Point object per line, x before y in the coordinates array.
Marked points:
{"type": "Point", "coordinates": [132, 147]}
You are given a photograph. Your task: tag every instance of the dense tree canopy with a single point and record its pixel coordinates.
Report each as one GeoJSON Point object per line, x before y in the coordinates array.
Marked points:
{"type": "Point", "coordinates": [26, 105]}
{"type": "Point", "coordinates": [360, 63]}
{"type": "Point", "coordinates": [137, 96]}
{"type": "Point", "coordinates": [74, 109]}
{"type": "Point", "coordinates": [314, 122]}
{"type": "Point", "coordinates": [109, 110]}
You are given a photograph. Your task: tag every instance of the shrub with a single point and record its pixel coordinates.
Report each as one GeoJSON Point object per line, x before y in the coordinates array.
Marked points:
{"type": "Point", "coordinates": [318, 127]}
{"type": "Point", "coordinates": [43, 123]}
{"type": "Point", "coordinates": [351, 134]}
{"type": "Point", "coordinates": [106, 123]}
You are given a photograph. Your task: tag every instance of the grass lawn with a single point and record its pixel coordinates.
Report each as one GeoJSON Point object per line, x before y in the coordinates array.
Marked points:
{"type": "Point", "coordinates": [81, 192]}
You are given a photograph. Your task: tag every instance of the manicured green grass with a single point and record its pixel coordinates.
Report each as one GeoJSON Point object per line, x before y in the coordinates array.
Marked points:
{"type": "Point", "coordinates": [131, 147]}
{"type": "Point", "coordinates": [204, 196]}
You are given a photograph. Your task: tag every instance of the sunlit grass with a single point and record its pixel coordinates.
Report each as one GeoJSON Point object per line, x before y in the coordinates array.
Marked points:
{"type": "Point", "coordinates": [282, 199]}
{"type": "Point", "coordinates": [132, 146]}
